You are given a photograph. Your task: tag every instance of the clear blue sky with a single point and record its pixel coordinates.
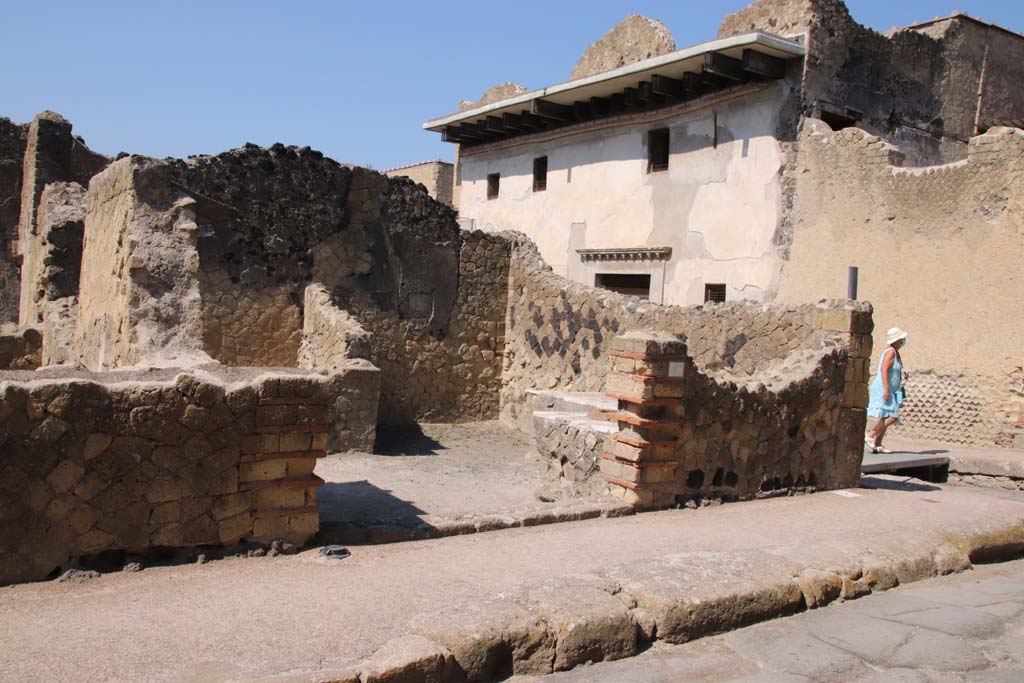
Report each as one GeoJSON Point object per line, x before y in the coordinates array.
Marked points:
{"type": "Point", "coordinates": [353, 79]}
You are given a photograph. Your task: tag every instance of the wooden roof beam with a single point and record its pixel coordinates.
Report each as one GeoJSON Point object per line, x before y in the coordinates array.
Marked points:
{"type": "Point", "coordinates": [723, 66]}
{"type": "Point", "coordinates": [495, 125]}
{"type": "Point", "coordinates": [645, 91]}
{"type": "Point", "coordinates": [765, 66]}
{"type": "Point", "coordinates": [533, 121]}
{"type": "Point", "coordinates": [631, 97]}
{"type": "Point", "coordinates": [515, 122]}
{"type": "Point", "coordinates": [551, 110]}
{"type": "Point", "coordinates": [668, 87]}
{"type": "Point", "coordinates": [478, 131]}
{"type": "Point", "coordinates": [582, 111]}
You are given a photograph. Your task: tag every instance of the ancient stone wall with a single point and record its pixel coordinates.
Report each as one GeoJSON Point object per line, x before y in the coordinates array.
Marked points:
{"type": "Point", "coordinates": [134, 461]}
{"type": "Point", "coordinates": [918, 86]}
{"type": "Point", "coordinates": [330, 336]}
{"type": "Point", "coordinates": [140, 295]}
{"type": "Point", "coordinates": [255, 254]}
{"type": "Point", "coordinates": [452, 373]}
{"type": "Point", "coordinates": [940, 251]}
{"type": "Point", "coordinates": [558, 332]}
{"type": "Point", "coordinates": [52, 255]}
{"type": "Point", "coordinates": [13, 138]}
{"type": "Point", "coordinates": [60, 319]}
{"type": "Point", "coordinates": [634, 39]}
{"type": "Point", "coordinates": [437, 176]}
{"type": "Point", "coordinates": [495, 93]}
{"type": "Point", "coordinates": [52, 154]}
{"type": "Point", "coordinates": [794, 426]}
{"type": "Point", "coordinates": [21, 348]}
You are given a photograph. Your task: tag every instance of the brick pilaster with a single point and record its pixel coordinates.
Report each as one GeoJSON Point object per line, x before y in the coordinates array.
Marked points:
{"type": "Point", "coordinates": [648, 379]}
{"type": "Point", "coordinates": [277, 465]}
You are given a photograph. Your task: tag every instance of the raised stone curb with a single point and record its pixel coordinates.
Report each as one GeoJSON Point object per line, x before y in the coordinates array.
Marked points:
{"type": "Point", "coordinates": [561, 623]}
{"type": "Point", "coordinates": [356, 533]}
{"type": "Point", "coordinates": [988, 470]}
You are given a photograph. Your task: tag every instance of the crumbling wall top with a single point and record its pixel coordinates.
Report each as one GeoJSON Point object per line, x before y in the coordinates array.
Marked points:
{"type": "Point", "coordinates": [634, 39]}
{"type": "Point", "coordinates": [784, 17]}
{"type": "Point", "coordinates": [493, 94]}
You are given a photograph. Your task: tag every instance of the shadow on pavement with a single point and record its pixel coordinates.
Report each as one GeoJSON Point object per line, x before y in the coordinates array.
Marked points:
{"type": "Point", "coordinates": [405, 441]}
{"type": "Point", "coordinates": [363, 503]}
{"type": "Point", "coordinates": [895, 484]}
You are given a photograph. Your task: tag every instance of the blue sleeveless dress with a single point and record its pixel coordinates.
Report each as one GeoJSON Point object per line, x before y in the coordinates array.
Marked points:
{"type": "Point", "coordinates": [877, 405]}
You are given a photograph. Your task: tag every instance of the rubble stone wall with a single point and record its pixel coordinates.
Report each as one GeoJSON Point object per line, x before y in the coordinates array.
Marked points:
{"type": "Point", "coordinates": [453, 374]}
{"type": "Point", "coordinates": [940, 252]}
{"type": "Point", "coordinates": [52, 255]}
{"type": "Point", "coordinates": [330, 336]}
{"type": "Point", "coordinates": [689, 437]}
{"type": "Point", "coordinates": [60, 319]}
{"type": "Point", "coordinates": [21, 348]}
{"type": "Point", "coordinates": [52, 155]}
{"type": "Point", "coordinates": [159, 459]}
{"type": "Point", "coordinates": [917, 86]}
{"type": "Point", "coordinates": [634, 39]}
{"type": "Point", "coordinates": [13, 138]}
{"type": "Point", "coordinates": [140, 295]}
{"type": "Point", "coordinates": [437, 176]}
{"type": "Point", "coordinates": [269, 210]}
{"type": "Point", "coordinates": [558, 332]}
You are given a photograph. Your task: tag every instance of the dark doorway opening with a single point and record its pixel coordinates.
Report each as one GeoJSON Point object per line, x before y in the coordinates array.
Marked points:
{"type": "Point", "coordinates": [625, 283]}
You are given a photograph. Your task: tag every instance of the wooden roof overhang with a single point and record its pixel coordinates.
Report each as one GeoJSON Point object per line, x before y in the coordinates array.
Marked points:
{"type": "Point", "coordinates": [644, 86]}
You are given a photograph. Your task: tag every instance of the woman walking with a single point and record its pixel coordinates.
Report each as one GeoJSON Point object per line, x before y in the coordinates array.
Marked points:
{"type": "Point", "coordinates": [886, 390]}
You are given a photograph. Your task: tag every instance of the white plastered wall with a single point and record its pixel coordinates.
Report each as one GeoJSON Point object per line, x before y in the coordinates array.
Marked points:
{"type": "Point", "coordinates": [717, 207]}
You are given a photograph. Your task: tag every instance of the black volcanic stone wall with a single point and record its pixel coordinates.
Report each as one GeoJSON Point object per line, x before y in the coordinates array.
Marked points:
{"type": "Point", "coordinates": [12, 150]}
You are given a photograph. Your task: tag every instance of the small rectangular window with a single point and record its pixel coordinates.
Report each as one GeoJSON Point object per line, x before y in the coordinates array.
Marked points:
{"type": "Point", "coordinates": [625, 283]}
{"type": "Point", "coordinates": [540, 174]}
{"type": "Point", "coordinates": [493, 182]}
{"type": "Point", "coordinates": [657, 150]}
{"type": "Point", "coordinates": [715, 293]}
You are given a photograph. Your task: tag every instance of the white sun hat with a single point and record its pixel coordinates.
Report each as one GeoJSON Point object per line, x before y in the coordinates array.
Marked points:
{"type": "Point", "coordinates": [894, 335]}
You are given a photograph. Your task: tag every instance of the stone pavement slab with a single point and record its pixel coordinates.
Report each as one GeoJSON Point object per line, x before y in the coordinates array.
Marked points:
{"type": "Point", "coordinates": [300, 617]}
{"type": "Point", "coordinates": [446, 480]}
{"type": "Point", "coordinates": [850, 642]}
{"type": "Point", "coordinates": [967, 460]}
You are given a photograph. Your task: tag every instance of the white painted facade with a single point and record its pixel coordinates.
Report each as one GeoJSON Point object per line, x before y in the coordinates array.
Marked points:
{"type": "Point", "coordinates": [717, 206]}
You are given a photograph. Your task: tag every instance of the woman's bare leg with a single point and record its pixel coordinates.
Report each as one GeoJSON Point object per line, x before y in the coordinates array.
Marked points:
{"type": "Point", "coordinates": [881, 428]}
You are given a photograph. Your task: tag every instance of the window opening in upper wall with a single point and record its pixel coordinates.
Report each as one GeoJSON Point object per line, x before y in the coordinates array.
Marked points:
{"type": "Point", "coordinates": [657, 150]}
{"type": "Point", "coordinates": [625, 283]}
{"type": "Point", "coordinates": [493, 183]}
{"type": "Point", "coordinates": [540, 174]}
{"type": "Point", "coordinates": [715, 293]}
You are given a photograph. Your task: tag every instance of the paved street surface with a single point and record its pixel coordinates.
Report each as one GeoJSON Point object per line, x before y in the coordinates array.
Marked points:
{"type": "Point", "coordinates": [968, 627]}
{"type": "Point", "coordinates": [262, 616]}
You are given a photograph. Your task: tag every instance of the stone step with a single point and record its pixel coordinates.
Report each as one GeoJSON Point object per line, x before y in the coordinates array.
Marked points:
{"type": "Point", "coordinates": [576, 419]}
{"type": "Point", "coordinates": [570, 401]}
